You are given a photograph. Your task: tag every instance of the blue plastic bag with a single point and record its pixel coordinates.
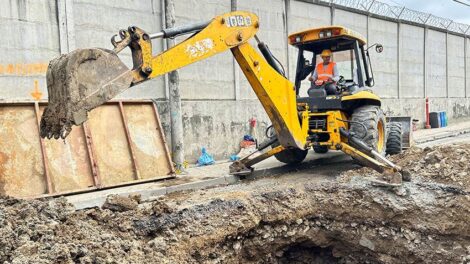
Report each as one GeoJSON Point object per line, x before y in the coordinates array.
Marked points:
{"type": "Point", "coordinates": [248, 138]}
{"type": "Point", "coordinates": [205, 158]}
{"type": "Point", "coordinates": [234, 157]}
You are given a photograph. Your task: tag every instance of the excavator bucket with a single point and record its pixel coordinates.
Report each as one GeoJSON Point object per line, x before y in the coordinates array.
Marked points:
{"type": "Point", "coordinates": [78, 82]}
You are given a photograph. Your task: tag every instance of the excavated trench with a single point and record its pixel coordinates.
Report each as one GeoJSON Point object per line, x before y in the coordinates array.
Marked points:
{"type": "Point", "coordinates": [299, 221]}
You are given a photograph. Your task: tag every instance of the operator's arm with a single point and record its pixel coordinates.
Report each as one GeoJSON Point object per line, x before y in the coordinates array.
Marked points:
{"type": "Point", "coordinates": [335, 73]}
{"type": "Point", "coordinates": [314, 76]}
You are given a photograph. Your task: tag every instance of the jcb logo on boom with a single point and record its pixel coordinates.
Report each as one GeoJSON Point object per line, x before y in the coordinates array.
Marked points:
{"type": "Point", "coordinates": [238, 21]}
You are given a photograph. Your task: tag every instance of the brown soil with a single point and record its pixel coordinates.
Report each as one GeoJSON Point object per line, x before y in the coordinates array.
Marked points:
{"type": "Point", "coordinates": [255, 222]}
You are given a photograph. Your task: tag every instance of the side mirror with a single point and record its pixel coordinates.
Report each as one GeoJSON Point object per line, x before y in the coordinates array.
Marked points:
{"type": "Point", "coordinates": [379, 48]}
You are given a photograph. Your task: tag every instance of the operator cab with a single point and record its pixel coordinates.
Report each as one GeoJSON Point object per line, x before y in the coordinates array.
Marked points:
{"type": "Point", "coordinates": [349, 54]}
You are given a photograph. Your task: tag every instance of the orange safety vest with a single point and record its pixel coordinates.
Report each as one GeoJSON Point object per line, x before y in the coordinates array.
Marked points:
{"type": "Point", "coordinates": [324, 73]}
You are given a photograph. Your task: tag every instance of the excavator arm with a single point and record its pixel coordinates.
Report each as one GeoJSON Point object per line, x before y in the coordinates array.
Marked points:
{"type": "Point", "coordinates": [87, 78]}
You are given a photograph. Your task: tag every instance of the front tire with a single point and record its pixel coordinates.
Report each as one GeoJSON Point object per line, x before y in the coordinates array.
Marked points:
{"type": "Point", "coordinates": [368, 124]}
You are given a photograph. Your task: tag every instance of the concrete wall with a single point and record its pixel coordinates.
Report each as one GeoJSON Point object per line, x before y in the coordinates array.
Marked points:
{"type": "Point", "coordinates": [29, 40]}
{"type": "Point", "coordinates": [411, 61]}
{"type": "Point", "coordinates": [385, 65]}
{"type": "Point", "coordinates": [217, 100]}
{"type": "Point", "coordinates": [455, 66]}
{"type": "Point", "coordinates": [210, 79]}
{"type": "Point", "coordinates": [467, 66]}
{"type": "Point", "coordinates": [436, 63]}
{"type": "Point", "coordinates": [95, 22]}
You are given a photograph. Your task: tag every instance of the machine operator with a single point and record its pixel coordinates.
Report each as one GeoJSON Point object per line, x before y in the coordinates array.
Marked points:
{"type": "Point", "coordinates": [325, 74]}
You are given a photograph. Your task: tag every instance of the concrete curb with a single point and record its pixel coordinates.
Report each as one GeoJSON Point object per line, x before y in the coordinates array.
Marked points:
{"type": "Point", "coordinates": [442, 135]}
{"type": "Point", "coordinates": [86, 201]}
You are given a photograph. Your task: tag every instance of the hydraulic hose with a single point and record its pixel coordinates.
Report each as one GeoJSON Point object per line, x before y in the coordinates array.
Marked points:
{"type": "Point", "coordinates": [181, 30]}
{"type": "Point", "coordinates": [272, 61]}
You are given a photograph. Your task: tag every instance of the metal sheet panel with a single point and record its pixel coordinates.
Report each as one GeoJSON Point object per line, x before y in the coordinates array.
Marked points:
{"type": "Point", "coordinates": [113, 148]}
{"type": "Point", "coordinates": [147, 141]}
{"type": "Point", "coordinates": [68, 162]}
{"type": "Point", "coordinates": [110, 144]}
{"type": "Point", "coordinates": [21, 168]}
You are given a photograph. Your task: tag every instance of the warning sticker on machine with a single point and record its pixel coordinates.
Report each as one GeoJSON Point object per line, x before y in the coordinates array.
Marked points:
{"type": "Point", "coordinates": [332, 97]}
{"type": "Point", "coordinates": [200, 48]}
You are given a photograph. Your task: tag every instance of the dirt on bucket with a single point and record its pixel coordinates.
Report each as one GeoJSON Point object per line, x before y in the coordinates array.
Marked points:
{"type": "Point", "coordinates": [78, 82]}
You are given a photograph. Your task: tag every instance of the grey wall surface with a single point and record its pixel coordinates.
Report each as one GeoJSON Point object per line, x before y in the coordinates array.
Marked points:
{"type": "Point", "coordinates": [217, 101]}
{"type": "Point", "coordinates": [29, 40]}
{"type": "Point", "coordinates": [411, 61]}
{"type": "Point", "coordinates": [95, 22]}
{"type": "Point", "coordinates": [455, 66]}
{"type": "Point", "coordinates": [436, 64]}
{"type": "Point", "coordinates": [213, 78]}
{"type": "Point", "coordinates": [467, 66]}
{"type": "Point", "coordinates": [385, 64]}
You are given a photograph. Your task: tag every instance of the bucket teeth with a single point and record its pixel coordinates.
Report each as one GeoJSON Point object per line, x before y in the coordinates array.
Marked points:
{"type": "Point", "coordinates": [77, 83]}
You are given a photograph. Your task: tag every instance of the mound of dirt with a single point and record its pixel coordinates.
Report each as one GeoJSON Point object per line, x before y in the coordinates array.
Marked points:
{"type": "Point", "coordinates": [257, 222]}
{"type": "Point", "coordinates": [447, 164]}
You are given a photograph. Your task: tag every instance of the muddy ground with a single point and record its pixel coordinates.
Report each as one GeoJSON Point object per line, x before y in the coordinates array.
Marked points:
{"type": "Point", "coordinates": [281, 219]}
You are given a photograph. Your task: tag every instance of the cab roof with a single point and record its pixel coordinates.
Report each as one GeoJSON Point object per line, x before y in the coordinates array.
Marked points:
{"type": "Point", "coordinates": [335, 38]}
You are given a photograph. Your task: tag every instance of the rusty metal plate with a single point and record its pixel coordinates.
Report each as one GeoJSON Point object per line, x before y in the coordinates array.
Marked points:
{"type": "Point", "coordinates": [122, 143]}
{"type": "Point", "coordinates": [147, 141]}
{"type": "Point", "coordinates": [21, 168]}
{"type": "Point", "coordinates": [68, 162]}
{"type": "Point", "coordinates": [110, 144]}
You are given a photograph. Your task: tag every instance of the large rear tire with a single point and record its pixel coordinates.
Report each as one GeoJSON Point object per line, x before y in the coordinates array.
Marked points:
{"type": "Point", "coordinates": [394, 139]}
{"type": "Point", "coordinates": [290, 156]}
{"type": "Point", "coordinates": [368, 124]}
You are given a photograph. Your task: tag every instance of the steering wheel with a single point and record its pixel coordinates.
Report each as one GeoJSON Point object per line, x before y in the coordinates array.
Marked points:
{"type": "Point", "coordinates": [341, 81]}
{"type": "Point", "coordinates": [341, 84]}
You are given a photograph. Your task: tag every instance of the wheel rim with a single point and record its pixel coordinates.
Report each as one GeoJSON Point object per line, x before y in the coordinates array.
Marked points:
{"type": "Point", "coordinates": [381, 132]}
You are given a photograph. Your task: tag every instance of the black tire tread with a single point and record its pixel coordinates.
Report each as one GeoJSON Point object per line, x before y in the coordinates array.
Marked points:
{"type": "Point", "coordinates": [369, 115]}
{"type": "Point", "coordinates": [394, 139]}
{"type": "Point", "coordinates": [321, 149]}
{"type": "Point", "coordinates": [290, 156]}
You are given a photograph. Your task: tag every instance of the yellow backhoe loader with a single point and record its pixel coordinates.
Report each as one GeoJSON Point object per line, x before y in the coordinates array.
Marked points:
{"type": "Point", "coordinates": [351, 120]}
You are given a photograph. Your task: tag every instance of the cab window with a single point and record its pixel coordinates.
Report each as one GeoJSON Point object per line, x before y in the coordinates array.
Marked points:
{"type": "Point", "coordinates": [346, 64]}
{"type": "Point", "coordinates": [309, 62]}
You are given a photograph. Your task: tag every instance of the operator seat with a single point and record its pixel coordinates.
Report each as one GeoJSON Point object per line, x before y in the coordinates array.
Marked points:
{"type": "Point", "coordinates": [315, 92]}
